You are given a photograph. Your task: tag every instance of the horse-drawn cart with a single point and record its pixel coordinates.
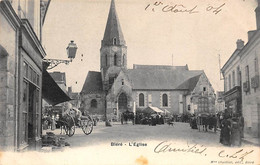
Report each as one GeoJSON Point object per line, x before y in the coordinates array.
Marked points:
{"type": "Point", "coordinates": [206, 120]}
{"type": "Point", "coordinates": [70, 121]}
{"type": "Point", "coordinates": [202, 120]}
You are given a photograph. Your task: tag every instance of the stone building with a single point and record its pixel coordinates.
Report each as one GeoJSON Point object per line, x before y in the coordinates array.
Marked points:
{"type": "Point", "coordinates": [116, 88]}
{"type": "Point", "coordinates": [241, 73]}
{"type": "Point", "coordinates": [21, 55]}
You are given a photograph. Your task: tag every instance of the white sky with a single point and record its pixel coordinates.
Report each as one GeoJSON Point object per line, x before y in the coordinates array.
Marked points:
{"type": "Point", "coordinates": [152, 37]}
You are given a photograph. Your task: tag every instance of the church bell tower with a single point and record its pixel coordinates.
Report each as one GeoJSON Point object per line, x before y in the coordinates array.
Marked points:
{"type": "Point", "coordinates": [113, 51]}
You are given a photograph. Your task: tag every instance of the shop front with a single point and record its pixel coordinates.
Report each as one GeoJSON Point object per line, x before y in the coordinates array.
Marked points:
{"type": "Point", "coordinates": [233, 101]}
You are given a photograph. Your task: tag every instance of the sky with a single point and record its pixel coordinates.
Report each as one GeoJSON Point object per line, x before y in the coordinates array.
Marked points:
{"type": "Point", "coordinates": [155, 33]}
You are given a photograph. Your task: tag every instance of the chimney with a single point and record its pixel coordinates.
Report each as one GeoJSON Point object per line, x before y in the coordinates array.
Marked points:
{"type": "Point", "coordinates": [69, 90]}
{"type": "Point", "coordinates": [240, 44]}
{"type": "Point", "coordinates": [250, 34]}
{"type": "Point", "coordinates": [257, 13]}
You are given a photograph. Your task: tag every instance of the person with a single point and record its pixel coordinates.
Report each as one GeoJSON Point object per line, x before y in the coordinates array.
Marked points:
{"type": "Point", "coordinates": [225, 131]}
{"type": "Point", "coordinates": [241, 124]}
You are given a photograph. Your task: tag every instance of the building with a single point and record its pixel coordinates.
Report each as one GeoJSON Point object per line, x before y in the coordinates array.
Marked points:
{"type": "Point", "coordinates": [241, 75]}
{"type": "Point", "coordinates": [220, 102]}
{"type": "Point", "coordinates": [116, 88]}
{"type": "Point", "coordinates": [21, 71]}
{"type": "Point", "coordinates": [75, 98]}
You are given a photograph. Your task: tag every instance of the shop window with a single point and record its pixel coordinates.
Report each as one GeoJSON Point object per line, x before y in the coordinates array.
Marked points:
{"type": "Point", "coordinates": [25, 69]}
{"type": "Point", "coordinates": [37, 104]}
{"type": "Point", "coordinates": [141, 100]}
{"type": "Point", "coordinates": [165, 100]}
{"type": "Point", "coordinates": [93, 103]}
{"type": "Point", "coordinates": [24, 120]}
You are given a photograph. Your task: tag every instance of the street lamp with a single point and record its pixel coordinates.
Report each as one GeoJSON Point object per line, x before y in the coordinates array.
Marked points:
{"type": "Point", "coordinates": [71, 52]}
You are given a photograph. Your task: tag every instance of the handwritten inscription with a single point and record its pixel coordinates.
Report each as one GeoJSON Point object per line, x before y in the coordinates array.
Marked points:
{"type": "Point", "coordinates": [181, 8]}
{"type": "Point", "coordinates": [238, 156]}
{"type": "Point", "coordinates": [167, 147]}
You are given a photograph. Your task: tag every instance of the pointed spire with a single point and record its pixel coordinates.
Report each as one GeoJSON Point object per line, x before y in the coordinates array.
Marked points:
{"type": "Point", "coordinates": [113, 34]}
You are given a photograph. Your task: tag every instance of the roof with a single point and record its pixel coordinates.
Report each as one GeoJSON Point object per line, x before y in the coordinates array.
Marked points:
{"type": "Point", "coordinates": [113, 28]}
{"type": "Point", "coordinates": [151, 78]}
{"type": "Point", "coordinates": [93, 83]}
{"type": "Point", "coordinates": [189, 84]}
{"type": "Point", "coordinates": [151, 109]}
{"type": "Point", "coordinates": [137, 66]}
{"type": "Point", "coordinates": [59, 77]}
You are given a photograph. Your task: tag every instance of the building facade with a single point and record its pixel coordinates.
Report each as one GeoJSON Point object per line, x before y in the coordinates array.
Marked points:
{"type": "Point", "coordinates": [21, 55]}
{"type": "Point", "coordinates": [241, 73]}
{"type": "Point", "coordinates": [116, 88]}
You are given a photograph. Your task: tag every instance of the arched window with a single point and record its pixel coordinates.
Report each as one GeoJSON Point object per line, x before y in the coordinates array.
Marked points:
{"type": "Point", "coordinates": [93, 103]}
{"type": "Point", "coordinates": [165, 100]}
{"type": "Point", "coordinates": [141, 99]}
{"type": "Point", "coordinates": [115, 60]}
{"type": "Point", "coordinates": [114, 41]}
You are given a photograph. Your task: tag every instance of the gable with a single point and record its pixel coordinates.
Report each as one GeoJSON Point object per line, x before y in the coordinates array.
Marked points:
{"type": "Point", "coordinates": [93, 83]}
{"type": "Point", "coordinates": [203, 82]}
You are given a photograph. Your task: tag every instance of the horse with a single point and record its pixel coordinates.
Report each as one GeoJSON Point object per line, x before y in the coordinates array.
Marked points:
{"type": "Point", "coordinates": [207, 122]}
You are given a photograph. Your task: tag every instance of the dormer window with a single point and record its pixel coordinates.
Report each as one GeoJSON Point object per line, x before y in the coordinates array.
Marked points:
{"type": "Point", "coordinates": [114, 41]}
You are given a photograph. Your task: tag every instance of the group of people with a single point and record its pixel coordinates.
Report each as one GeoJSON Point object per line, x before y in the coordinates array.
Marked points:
{"type": "Point", "coordinates": [232, 129]}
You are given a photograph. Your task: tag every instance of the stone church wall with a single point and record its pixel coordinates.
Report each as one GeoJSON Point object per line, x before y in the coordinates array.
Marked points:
{"type": "Point", "coordinates": [86, 103]}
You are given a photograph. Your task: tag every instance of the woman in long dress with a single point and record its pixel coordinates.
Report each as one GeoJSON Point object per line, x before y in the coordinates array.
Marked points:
{"type": "Point", "coordinates": [225, 131]}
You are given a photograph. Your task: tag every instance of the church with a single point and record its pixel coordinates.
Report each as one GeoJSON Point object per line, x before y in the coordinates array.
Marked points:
{"type": "Point", "coordinates": [115, 89]}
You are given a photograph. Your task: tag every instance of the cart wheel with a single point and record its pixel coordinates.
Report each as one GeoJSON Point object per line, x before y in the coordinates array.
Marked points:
{"type": "Point", "coordinates": [87, 125]}
{"type": "Point", "coordinates": [70, 126]}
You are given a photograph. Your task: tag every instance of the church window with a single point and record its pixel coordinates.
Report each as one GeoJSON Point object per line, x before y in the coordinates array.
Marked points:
{"type": "Point", "coordinates": [93, 103]}
{"type": "Point", "coordinates": [165, 100]}
{"type": "Point", "coordinates": [141, 100]}
{"type": "Point", "coordinates": [123, 61]}
{"type": "Point", "coordinates": [122, 81]}
{"type": "Point", "coordinates": [115, 60]}
{"type": "Point", "coordinates": [114, 41]}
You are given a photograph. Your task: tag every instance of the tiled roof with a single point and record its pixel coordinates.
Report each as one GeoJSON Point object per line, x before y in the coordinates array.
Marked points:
{"type": "Point", "coordinates": [113, 28]}
{"type": "Point", "coordinates": [137, 66]}
{"type": "Point", "coordinates": [159, 79]}
{"type": "Point", "coordinates": [189, 84]}
{"type": "Point", "coordinates": [93, 83]}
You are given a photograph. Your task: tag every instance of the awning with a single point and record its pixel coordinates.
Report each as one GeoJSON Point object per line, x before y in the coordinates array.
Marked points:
{"type": "Point", "coordinates": [51, 92]}
{"type": "Point", "coordinates": [151, 109]}
{"type": "Point", "coordinates": [166, 111]}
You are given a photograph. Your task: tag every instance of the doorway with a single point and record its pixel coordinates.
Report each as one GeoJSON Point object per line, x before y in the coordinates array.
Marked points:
{"type": "Point", "coordinates": [31, 114]}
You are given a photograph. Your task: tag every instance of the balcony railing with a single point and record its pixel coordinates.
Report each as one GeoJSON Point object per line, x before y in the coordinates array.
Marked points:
{"type": "Point", "coordinates": [255, 81]}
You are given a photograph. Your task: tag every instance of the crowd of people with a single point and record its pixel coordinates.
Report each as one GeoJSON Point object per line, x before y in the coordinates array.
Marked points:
{"type": "Point", "coordinates": [232, 129]}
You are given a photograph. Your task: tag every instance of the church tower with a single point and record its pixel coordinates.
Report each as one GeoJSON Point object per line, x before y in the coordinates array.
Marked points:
{"type": "Point", "coordinates": [113, 51]}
